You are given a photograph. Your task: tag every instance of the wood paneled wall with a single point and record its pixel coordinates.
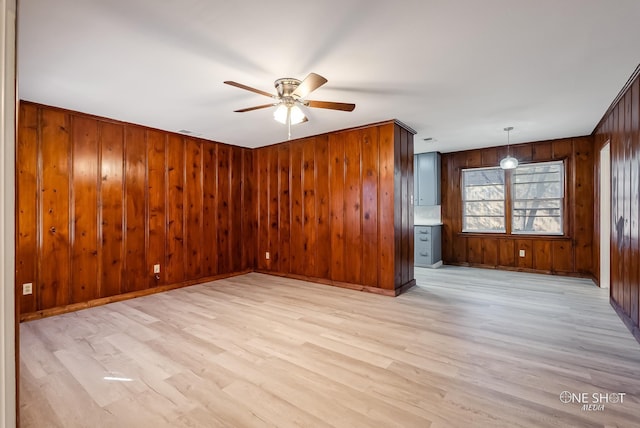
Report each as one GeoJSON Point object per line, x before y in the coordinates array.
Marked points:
{"type": "Point", "coordinates": [620, 126]}
{"type": "Point", "coordinates": [336, 208]}
{"type": "Point", "coordinates": [571, 254]}
{"type": "Point", "coordinates": [99, 202]}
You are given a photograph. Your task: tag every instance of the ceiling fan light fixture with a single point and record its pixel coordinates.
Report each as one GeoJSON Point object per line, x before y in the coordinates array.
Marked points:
{"type": "Point", "coordinates": [280, 114]}
{"type": "Point", "coordinates": [297, 116]}
{"type": "Point", "coordinates": [508, 162]}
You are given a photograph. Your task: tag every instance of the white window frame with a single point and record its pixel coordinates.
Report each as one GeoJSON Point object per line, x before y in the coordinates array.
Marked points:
{"type": "Point", "coordinates": [504, 202]}
{"type": "Point", "coordinates": [512, 183]}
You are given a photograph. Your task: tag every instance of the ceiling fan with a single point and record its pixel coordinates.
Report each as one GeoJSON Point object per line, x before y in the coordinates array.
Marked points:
{"type": "Point", "coordinates": [291, 94]}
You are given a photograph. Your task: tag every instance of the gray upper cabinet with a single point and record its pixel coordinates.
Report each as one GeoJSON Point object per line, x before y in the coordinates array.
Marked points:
{"type": "Point", "coordinates": [426, 174]}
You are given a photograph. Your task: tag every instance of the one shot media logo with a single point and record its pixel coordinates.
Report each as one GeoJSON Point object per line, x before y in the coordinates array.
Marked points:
{"type": "Point", "coordinates": [592, 401]}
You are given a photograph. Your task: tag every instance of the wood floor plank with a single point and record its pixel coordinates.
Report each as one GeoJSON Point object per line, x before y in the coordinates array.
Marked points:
{"type": "Point", "coordinates": [464, 348]}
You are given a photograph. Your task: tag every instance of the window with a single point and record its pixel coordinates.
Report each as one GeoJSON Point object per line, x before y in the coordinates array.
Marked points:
{"type": "Point", "coordinates": [483, 200]}
{"type": "Point", "coordinates": [538, 193]}
{"type": "Point", "coordinates": [527, 200]}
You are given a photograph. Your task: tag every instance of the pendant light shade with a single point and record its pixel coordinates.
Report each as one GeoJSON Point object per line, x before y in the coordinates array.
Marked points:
{"type": "Point", "coordinates": [509, 162]}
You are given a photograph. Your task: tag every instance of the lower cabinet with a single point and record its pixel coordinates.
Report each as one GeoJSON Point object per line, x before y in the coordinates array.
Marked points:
{"type": "Point", "coordinates": [427, 243]}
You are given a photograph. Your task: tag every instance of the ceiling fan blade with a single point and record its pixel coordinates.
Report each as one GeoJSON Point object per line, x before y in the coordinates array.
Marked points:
{"type": "Point", "coordinates": [254, 108]}
{"type": "Point", "coordinates": [330, 105]}
{"type": "Point", "coordinates": [249, 88]}
{"type": "Point", "coordinates": [310, 83]}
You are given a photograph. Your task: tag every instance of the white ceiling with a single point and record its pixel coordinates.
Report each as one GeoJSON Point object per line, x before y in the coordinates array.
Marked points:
{"type": "Point", "coordinates": [456, 71]}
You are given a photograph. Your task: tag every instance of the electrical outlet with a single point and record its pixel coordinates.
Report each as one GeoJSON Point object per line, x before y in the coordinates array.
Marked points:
{"type": "Point", "coordinates": [266, 255]}
{"type": "Point", "coordinates": [156, 268]}
{"type": "Point", "coordinates": [27, 288]}
{"type": "Point", "coordinates": [521, 253]}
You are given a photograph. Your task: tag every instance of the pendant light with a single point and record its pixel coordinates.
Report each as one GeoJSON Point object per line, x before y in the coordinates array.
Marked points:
{"type": "Point", "coordinates": [509, 162]}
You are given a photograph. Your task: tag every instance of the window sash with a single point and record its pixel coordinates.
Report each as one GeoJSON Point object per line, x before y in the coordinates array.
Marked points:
{"type": "Point", "coordinates": [538, 204]}
{"type": "Point", "coordinates": [483, 198]}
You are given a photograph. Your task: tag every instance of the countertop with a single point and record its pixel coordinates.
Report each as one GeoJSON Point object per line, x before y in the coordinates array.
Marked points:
{"type": "Point", "coordinates": [428, 224]}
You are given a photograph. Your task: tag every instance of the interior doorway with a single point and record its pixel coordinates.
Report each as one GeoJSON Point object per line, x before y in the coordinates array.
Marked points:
{"type": "Point", "coordinates": [605, 216]}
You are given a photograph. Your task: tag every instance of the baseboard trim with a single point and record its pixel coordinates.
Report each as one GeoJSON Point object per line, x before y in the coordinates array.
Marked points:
{"type": "Point", "coordinates": [162, 288]}
{"type": "Point", "coordinates": [527, 270]}
{"type": "Point", "coordinates": [633, 328]}
{"type": "Point", "coordinates": [120, 297]}
{"type": "Point", "coordinates": [341, 284]}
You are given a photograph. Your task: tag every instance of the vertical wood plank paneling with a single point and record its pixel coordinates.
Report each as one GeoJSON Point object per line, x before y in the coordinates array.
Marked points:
{"type": "Point", "coordinates": [507, 253]}
{"type": "Point", "coordinates": [583, 211]}
{"type": "Point", "coordinates": [236, 214]}
{"type": "Point", "coordinates": [323, 208]}
{"type": "Point", "coordinates": [526, 261]}
{"type": "Point", "coordinates": [84, 246]}
{"type": "Point", "coordinates": [353, 205]}
{"type": "Point", "coordinates": [156, 159]}
{"type": "Point", "coordinates": [490, 252]}
{"type": "Point", "coordinates": [193, 212]}
{"type": "Point", "coordinates": [386, 208]}
{"type": "Point", "coordinates": [337, 183]}
{"type": "Point", "coordinates": [54, 258]}
{"type": "Point", "coordinates": [405, 255]}
{"type": "Point", "coordinates": [398, 211]}
{"type": "Point", "coordinates": [144, 197]}
{"type": "Point", "coordinates": [490, 156]}
{"type": "Point", "coordinates": [346, 193]}
{"type": "Point", "coordinates": [175, 210]}
{"type": "Point", "coordinates": [27, 206]}
{"type": "Point", "coordinates": [209, 258]}
{"type": "Point", "coordinates": [284, 218]}
{"type": "Point", "coordinates": [562, 257]}
{"type": "Point", "coordinates": [474, 250]}
{"type": "Point", "coordinates": [370, 173]}
{"type": "Point", "coordinates": [263, 208]}
{"type": "Point", "coordinates": [250, 217]}
{"type": "Point", "coordinates": [309, 225]}
{"type": "Point", "coordinates": [634, 146]}
{"type": "Point", "coordinates": [135, 274]}
{"type": "Point", "coordinates": [542, 255]}
{"type": "Point", "coordinates": [540, 152]}
{"type": "Point", "coordinates": [626, 144]}
{"type": "Point", "coordinates": [617, 194]}
{"type": "Point", "coordinates": [110, 200]}
{"type": "Point", "coordinates": [111, 205]}
{"type": "Point", "coordinates": [274, 202]}
{"type": "Point", "coordinates": [446, 171]}
{"type": "Point", "coordinates": [523, 152]}
{"type": "Point", "coordinates": [297, 264]}
{"type": "Point", "coordinates": [224, 202]}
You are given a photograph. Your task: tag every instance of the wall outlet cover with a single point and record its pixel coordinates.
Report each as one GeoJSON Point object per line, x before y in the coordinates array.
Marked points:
{"type": "Point", "coordinates": [266, 255]}
{"type": "Point", "coordinates": [27, 288]}
{"type": "Point", "coordinates": [522, 253]}
{"type": "Point", "coordinates": [156, 268]}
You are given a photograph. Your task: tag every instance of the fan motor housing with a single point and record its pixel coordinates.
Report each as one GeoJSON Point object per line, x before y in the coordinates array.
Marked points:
{"type": "Point", "coordinates": [286, 86]}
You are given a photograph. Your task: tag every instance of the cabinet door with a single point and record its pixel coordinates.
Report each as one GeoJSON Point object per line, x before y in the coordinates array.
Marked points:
{"type": "Point", "coordinates": [427, 173]}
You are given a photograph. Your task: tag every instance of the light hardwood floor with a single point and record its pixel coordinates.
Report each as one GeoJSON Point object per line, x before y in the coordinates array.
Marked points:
{"type": "Point", "coordinates": [464, 348]}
